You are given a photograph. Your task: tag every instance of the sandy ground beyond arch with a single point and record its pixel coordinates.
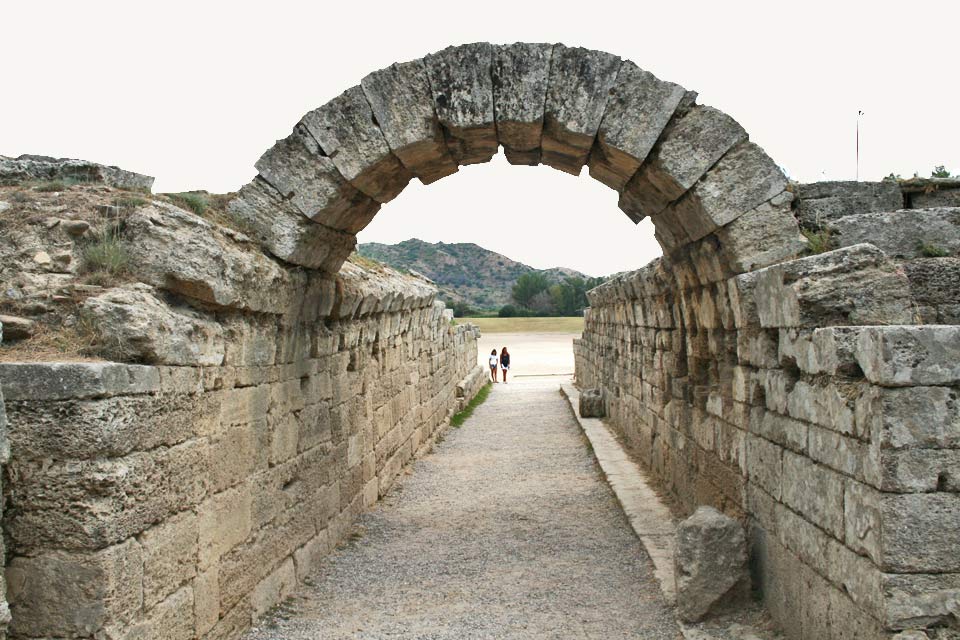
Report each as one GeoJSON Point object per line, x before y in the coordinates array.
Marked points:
{"type": "Point", "coordinates": [531, 354]}
{"type": "Point", "coordinates": [506, 530]}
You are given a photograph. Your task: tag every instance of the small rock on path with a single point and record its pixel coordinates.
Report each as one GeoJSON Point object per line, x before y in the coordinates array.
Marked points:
{"type": "Point", "coordinates": [507, 530]}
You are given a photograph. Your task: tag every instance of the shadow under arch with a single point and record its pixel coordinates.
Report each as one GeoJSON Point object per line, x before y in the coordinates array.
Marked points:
{"type": "Point", "coordinates": [714, 197]}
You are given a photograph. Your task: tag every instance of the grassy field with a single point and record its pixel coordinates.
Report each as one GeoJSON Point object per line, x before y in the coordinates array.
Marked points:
{"type": "Point", "coordinates": [527, 325]}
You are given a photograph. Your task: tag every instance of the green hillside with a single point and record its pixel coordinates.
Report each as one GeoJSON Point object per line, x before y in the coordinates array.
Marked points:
{"type": "Point", "coordinates": [462, 271]}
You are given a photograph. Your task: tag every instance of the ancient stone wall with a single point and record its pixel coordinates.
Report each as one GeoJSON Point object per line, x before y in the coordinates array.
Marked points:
{"type": "Point", "coordinates": [805, 399]}
{"type": "Point", "coordinates": [182, 502]}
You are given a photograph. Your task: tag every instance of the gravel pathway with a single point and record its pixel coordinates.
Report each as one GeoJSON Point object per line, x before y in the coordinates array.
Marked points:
{"type": "Point", "coordinates": [506, 530]}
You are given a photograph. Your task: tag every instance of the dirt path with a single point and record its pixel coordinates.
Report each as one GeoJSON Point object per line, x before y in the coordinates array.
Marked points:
{"type": "Point", "coordinates": [505, 531]}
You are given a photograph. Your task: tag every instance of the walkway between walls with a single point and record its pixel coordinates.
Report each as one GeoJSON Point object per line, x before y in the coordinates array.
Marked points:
{"type": "Point", "coordinates": [507, 530]}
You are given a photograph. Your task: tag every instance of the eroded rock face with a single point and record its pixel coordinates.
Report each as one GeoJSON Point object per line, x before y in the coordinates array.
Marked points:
{"type": "Point", "coordinates": [30, 167]}
{"type": "Point", "coordinates": [134, 325]}
{"type": "Point", "coordinates": [711, 563]}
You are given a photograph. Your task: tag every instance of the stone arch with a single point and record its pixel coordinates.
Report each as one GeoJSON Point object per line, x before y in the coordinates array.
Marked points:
{"type": "Point", "coordinates": [710, 192]}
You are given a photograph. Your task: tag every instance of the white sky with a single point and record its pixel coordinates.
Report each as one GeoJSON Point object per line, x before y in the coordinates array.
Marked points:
{"type": "Point", "coordinates": [194, 92]}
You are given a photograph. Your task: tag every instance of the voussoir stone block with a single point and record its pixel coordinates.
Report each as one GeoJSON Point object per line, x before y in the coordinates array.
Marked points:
{"type": "Point", "coordinates": [403, 107]}
{"type": "Point", "coordinates": [852, 286]}
{"type": "Point", "coordinates": [462, 85]}
{"type": "Point", "coordinates": [285, 232]}
{"type": "Point", "coordinates": [299, 169]}
{"type": "Point", "coordinates": [521, 72]}
{"type": "Point", "coordinates": [691, 145]}
{"type": "Point", "coordinates": [580, 83]}
{"type": "Point", "coordinates": [761, 237]}
{"type": "Point", "coordinates": [710, 563]}
{"type": "Point", "coordinates": [743, 179]}
{"type": "Point", "coordinates": [349, 136]}
{"type": "Point", "coordinates": [638, 110]}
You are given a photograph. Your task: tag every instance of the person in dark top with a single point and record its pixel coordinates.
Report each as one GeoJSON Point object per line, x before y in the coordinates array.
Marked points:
{"type": "Point", "coordinates": [505, 363]}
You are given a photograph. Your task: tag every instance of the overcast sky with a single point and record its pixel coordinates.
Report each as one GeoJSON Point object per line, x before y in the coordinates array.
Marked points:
{"type": "Point", "coordinates": [193, 93]}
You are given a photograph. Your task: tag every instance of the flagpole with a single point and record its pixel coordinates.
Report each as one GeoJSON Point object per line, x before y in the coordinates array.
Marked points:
{"type": "Point", "coordinates": [857, 174]}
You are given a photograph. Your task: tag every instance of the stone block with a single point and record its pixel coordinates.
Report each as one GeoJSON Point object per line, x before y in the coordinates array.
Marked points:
{"type": "Point", "coordinates": [172, 619]}
{"type": "Point", "coordinates": [690, 146]}
{"type": "Point", "coordinates": [765, 464]}
{"type": "Point", "coordinates": [638, 109]}
{"type": "Point", "coordinates": [285, 232]}
{"type": "Point", "coordinates": [307, 558]}
{"type": "Point", "coordinates": [919, 532]}
{"type": "Point", "coordinates": [851, 286]}
{"type": "Point", "coordinates": [863, 520]}
{"type": "Point", "coordinates": [918, 600]}
{"type": "Point", "coordinates": [56, 381]}
{"type": "Point", "coordinates": [828, 350]}
{"type": "Point", "coordinates": [224, 522]}
{"type": "Point", "coordinates": [710, 564]}
{"type": "Point", "coordinates": [63, 594]}
{"type": "Point", "coordinates": [300, 170]}
{"type": "Point", "coordinates": [910, 355]}
{"type": "Point", "coordinates": [920, 417]}
{"type": "Point", "coordinates": [169, 556]}
{"type": "Point", "coordinates": [822, 202]}
{"type": "Point", "coordinates": [814, 491]}
{"type": "Point", "coordinates": [592, 404]}
{"type": "Point", "coordinates": [906, 234]}
{"type": "Point", "coordinates": [91, 504]}
{"type": "Point", "coordinates": [273, 589]}
{"type": "Point", "coordinates": [403, 107]}
{"type": "Point", "coordinates": [348, 134]}
{"type": "Point", "coordinates": [206, 600]}
{"type": "Point", "coordinates": [761, 237]}
{"type": "Point", "coordinates": [933, 285]}
{"type": "Point", "coordinates": [577, 93]}
{"type": "Point", "coordinates": [462, 85]}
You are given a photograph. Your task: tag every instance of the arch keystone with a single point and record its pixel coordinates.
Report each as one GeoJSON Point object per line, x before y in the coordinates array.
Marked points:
{"type": "Point", "coordinates": [521, 72]}
{"type": "Point", "coordinates": [580, 83]}
{"type": "Point", "coordinates": [463, 99]}
{"type": "Point", "coordinates": [348, 135]}
{"type": "Point", "coordinates": [400, 98]}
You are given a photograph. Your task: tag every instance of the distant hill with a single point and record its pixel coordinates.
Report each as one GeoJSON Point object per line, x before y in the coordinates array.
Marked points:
{"type": "Point", "coordinates": [462, 271]}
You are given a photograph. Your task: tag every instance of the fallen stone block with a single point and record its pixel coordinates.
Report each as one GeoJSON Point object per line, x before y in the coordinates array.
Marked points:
{"type": "Point", "coordinates": [591, 404]}
{"type": "Point", "coordinates": [15, 327]}
{"type": "Point", "coordinates": [710, 564]}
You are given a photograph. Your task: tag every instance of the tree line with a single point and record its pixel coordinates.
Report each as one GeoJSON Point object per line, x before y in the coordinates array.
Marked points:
{"type": "Point", "coordinates": [534, 295]}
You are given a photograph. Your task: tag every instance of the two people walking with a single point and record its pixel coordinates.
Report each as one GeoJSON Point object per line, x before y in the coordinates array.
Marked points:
{"type": "Point", "coordinates": [503, 360]}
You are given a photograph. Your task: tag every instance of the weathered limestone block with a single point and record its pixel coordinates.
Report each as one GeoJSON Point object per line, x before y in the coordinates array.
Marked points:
{"type": "Point", "coordinates": [298, 168]}
{"type": "Point", "coordinates": [852, 286]}
{"type": "Point", "coordinates": [172, 619]}
{"type": "Point", "coordinates": [823, 202]}
{"type": "Point", "coordinates": [639, 107]}
{"type": "Point", "coordinates": [946, 197]}
{"type": "Point", "coordinates": [580, 83]}
{"type": "Point", "coordinates": [180, 252]}
{"type": "Point", "coordinates": [403, 107]}
{"type": "Point", "coordinates": [827, 350]}
{"type": "Point", "coordinates": [135, 325]}
{"type": "Point", "coordinates": [287, 233]}
{"type": "Point", "coordinates": [933, 283]}
{"type": "Point", "coordinates": [591, 404]}
{"type": "Point", "coordinates": [169, 557]}
{"type": "Point", "coordinates": [920, 533]}
{"type": "Point", "coordinates": [91, 504]}
{"type": "Point", "coordinates": [16, 328]}
{"type": "Point", "coordinates": [911, 417]}
{"type": "Point", "coordinates": [521, 73]}
{"type": "Point", "coordinates": [274, 588]}
{"type": "Point", "coordinates": [55, 381]}
{"type": "Point", "coordinates": [348, 135]}
{"type": "Point", "coordinates": [62, 594]}
{"type": "Point", "coordinates": [907, 233]}
{"type": "Point", "coordinates": [761, 237]}
{"type": "Point", "coordinates": [224, 522]}
{"type": "Point", "coordinates": [919, 600]}
{"type": "Point", "coordinates": [710, 563]}
{"type": "Point", "coordinates": [743, 179]}
{"type": "Point", "coordinates": [814, 491]}
{"type": "Point", "coordinates": [462, 86]}
{"type": "Point", "coordinates": [691, 145]}
{"type": "Point", "coordinates": [899, 356]}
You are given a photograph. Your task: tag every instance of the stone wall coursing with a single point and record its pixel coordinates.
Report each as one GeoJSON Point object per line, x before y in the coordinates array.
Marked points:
{"type": "Point", "coordinates": [184, 501]}
{"type": "Point", "coordinates": [799, 399]}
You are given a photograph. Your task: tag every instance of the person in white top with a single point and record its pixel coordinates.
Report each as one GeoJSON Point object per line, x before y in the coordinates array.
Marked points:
{"type": "Point", "coordinates": [494, 361]}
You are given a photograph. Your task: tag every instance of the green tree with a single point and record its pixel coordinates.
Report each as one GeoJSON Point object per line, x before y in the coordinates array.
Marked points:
{"type": "Point", "coordinates": [528, 286]}
{"type": "Point", "coordinates": [940, 171]}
